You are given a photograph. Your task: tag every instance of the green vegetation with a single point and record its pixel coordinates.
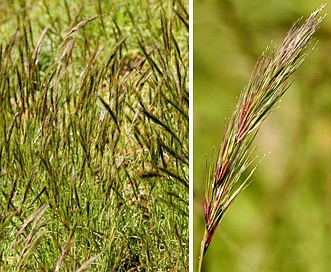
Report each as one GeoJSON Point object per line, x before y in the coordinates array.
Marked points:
{"type": "Point", "coordinates": [94, 136]}
{"type": "Point", "coordinates": [281, 222]}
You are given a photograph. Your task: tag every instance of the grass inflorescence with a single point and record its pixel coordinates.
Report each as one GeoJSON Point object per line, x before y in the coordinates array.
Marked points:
{"type": "Point", "coordinates": [269, 81]}
{"type": "Point", "coordinates": [94, 136]}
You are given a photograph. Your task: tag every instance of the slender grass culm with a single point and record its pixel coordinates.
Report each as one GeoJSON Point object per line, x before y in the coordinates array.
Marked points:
{"type": "Point", "coordinates": [268, 82]}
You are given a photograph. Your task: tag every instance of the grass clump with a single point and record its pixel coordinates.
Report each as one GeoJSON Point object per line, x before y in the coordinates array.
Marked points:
{"type": "Point", "coordinates": [94, 136]}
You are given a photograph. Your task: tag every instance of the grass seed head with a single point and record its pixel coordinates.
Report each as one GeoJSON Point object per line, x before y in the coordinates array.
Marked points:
{"type": "Point", "coordinates": [268, 82]}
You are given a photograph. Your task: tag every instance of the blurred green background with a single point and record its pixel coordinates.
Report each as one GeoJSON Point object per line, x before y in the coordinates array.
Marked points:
{"type": "Point", "coordinates": [282, 221]}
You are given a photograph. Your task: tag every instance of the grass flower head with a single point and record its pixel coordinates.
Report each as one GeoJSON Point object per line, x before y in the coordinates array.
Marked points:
{"type": "Point", "coordinates": [268, 82]}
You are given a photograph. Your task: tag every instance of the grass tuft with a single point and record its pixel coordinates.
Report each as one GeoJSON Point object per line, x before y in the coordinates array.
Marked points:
{"type": "Point", "coordinates": [94, 137]}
